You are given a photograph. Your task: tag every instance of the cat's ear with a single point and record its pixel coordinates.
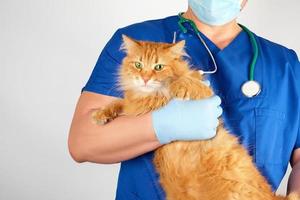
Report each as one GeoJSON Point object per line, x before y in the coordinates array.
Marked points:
{"type": "Point", "coordinates": [178, 48]}
{"type": "Point", "coordinates": [129, 44]}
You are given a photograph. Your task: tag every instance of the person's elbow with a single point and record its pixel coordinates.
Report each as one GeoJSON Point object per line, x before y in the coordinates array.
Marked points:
{"type": "Point", "coordinates": [83, 149]}
{"type": "Point", "coordinates": [80, 145]}
{"type": "Point", "coordinates": [76, 150]}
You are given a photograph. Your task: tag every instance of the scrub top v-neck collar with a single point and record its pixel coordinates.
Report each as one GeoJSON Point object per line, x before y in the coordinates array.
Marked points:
{"type": "Point", "coordinates": [212, 46]}
{"type": "Point", "coordinates": [233, 43]}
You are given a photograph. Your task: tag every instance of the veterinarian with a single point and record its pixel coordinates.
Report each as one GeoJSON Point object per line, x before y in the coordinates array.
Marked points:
{"type": "Point", "coordinates": [260, 102]}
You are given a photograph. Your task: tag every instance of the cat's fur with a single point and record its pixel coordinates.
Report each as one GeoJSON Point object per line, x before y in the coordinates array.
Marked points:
{"type": "Point", "coordinates": [216, 169]}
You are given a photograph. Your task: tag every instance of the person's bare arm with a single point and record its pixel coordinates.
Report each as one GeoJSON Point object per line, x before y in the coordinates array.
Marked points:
{"type": "Point", "coordinates": [294, 180]}
{"type": "Point", "coordinates": [122, 139]}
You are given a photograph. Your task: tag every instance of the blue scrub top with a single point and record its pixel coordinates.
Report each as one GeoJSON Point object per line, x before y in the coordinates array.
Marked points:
{"type": "Point", "coordinates": [267, 125]}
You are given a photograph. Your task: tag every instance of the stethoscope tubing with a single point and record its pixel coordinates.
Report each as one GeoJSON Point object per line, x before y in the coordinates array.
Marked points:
{"type": "Point", "coordinates": [251, 87]}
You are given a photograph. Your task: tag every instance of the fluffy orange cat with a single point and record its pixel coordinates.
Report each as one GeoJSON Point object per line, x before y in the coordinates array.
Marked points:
{"type": "Point", "coordinates": [216, 169]}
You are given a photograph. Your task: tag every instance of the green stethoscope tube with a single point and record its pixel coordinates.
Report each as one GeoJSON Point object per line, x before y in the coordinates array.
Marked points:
{"type": "Point", "coordinates": [250, 34]}
{"type": "Point", "coordinates": [255, 51]}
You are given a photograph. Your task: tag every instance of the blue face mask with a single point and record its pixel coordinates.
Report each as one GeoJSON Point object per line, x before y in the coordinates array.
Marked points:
{"type": "Point", "coordinates": [216, 12]}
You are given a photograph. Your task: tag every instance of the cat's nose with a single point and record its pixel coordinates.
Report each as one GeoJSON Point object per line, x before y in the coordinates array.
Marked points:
{"type": "Point", "coordinates": [146, 79]}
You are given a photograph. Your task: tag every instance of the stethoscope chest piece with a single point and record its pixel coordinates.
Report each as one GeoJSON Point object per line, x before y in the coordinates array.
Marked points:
{"type": "Point", "coordinates": [251, 88]}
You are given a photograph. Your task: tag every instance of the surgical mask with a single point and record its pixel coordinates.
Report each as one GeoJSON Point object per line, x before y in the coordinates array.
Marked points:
{"type": "Point", "coordinates": [216, 12]}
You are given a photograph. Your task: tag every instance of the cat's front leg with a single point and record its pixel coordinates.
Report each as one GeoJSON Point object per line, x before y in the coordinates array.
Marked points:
{"type": "Point", "coordinates": [189, 87]}
{"type": "Point", "coordinates": [108, 113]}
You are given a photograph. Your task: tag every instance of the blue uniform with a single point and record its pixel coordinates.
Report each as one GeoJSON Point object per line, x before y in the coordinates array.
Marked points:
{"type": "Point", "coordinates": [267, 125]}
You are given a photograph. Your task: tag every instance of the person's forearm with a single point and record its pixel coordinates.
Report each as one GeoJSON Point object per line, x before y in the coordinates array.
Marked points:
{"type": "Point", "coordinates": [122, 139]}
{"type": "Point", "coordinates": [294, 179]}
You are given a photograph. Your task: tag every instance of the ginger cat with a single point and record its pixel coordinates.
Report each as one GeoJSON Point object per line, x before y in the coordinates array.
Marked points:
{"type": "Point", "coordinates": [217, 169]}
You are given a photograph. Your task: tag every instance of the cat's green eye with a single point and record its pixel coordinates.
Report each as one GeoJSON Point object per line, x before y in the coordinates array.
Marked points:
{"type": "Point", "coordinates": [138, 65]}
{"type": "Point", "coordinates": [159, 67]}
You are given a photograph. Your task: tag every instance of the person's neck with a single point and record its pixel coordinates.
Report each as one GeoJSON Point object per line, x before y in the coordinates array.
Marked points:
{"type": "Point", "coordinates": [221, 36]}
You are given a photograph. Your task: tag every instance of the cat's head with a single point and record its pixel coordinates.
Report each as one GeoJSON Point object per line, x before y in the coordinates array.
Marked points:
{"type": "Point", "coordinates": [150, 66]}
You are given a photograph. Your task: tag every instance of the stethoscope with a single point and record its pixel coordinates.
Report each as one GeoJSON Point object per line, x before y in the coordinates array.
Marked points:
{"type": "Point", "coordinates": [250, 88]}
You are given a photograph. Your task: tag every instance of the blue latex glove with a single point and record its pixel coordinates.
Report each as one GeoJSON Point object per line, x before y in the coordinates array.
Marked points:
{"type": "Point", "coordinates": [187, 120]}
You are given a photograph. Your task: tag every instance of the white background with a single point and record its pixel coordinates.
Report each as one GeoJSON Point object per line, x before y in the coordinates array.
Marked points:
{"type": "Point", "coordinates": [48, 49]}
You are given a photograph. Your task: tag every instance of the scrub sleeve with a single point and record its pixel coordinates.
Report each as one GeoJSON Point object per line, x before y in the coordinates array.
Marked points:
{"type": "Point", "coordinates": [103, 79]}
{"type": "Point", "coordinates": [295, 62]}
{"type": "Point", "coordinates": [297, 145]}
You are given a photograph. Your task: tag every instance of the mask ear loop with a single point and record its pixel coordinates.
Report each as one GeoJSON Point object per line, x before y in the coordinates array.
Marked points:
{"type": "Point", "coordinates": [241, 4]}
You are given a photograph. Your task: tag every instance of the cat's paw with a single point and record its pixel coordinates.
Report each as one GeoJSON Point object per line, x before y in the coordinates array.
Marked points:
{"type": "Point", "coordinates": [188, 89]}
{"type": "Point", "coordinates": [102, 117]}
{"type": "Point", "coordinates": [181, 93]}
{"type": "Point", "coordinates": [183, 89]}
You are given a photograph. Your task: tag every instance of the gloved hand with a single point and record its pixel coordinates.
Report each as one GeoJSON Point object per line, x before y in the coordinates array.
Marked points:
{"type": "Point", "coordinates": [187, 120]}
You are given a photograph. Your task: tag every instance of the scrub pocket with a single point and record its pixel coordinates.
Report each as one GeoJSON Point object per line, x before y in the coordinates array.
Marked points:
{"type": "Point", "coordinates": [269, 133]}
